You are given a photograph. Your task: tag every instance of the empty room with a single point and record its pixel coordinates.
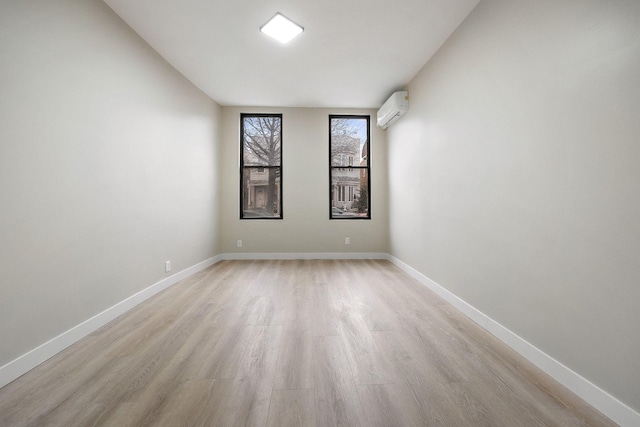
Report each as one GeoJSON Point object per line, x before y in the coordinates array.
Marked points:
{"type": "Point", "coordinates": [420, 213]}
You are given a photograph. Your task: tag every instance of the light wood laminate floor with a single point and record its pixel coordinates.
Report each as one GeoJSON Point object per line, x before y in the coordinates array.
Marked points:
{"type": "Point", "coordinates": [292, 343]}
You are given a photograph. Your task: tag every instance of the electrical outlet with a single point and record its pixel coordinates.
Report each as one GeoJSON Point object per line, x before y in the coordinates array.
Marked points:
{"type": "Point", "coordinates": [347, 240]}
{"type": "Point", "coordinates": [167, 266]}
{"type": "Point", "coordinates": [239, 243]}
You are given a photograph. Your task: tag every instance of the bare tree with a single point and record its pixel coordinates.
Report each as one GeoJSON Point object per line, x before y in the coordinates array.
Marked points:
{"type": "Point", "coordinates": [342, 126]}
{"type": "Point", "coordinates": [262, 148]}
{"type": "Point", "coordinates": [344, 141]}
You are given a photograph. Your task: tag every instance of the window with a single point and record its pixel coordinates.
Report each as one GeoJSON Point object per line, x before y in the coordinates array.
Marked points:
{"type": "Point", "coordinates": [261, 166]}
{"type": "Point", "coordinates": [349, 163]}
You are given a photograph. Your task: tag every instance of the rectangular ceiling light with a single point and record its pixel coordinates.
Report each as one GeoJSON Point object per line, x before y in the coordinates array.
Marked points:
{"type": "Point", "coordinates": [281, 28]}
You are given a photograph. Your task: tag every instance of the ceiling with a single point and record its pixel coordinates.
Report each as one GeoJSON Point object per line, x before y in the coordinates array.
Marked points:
{"type": "Point", "coordinates": [352, 54]}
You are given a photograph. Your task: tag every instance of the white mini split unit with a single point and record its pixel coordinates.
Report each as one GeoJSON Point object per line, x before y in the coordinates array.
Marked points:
{"type": "Point", "coordinates": [393, 109]}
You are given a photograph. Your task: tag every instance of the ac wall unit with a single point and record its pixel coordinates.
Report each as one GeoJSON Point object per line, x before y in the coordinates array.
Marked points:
{"type": "Point", "coordinates": [393, 108]}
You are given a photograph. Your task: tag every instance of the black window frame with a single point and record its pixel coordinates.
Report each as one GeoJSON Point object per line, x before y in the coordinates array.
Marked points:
{"type": "Point", "coordinates": [243, 167]}
{"type": "Point", "coordinates": [366, 168]}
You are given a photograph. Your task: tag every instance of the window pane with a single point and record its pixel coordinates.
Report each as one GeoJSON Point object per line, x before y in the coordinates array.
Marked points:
{"type": "Point", "coordinates": [261, 193]}
{"type": "Point", "coordinates": [349, 193]}
{"type": "Point", "coordinates": [349, 141]}
{"type": "Point", "coordinates": [349, 165]}
{"type": "Point", "coordinates": [261, 140]}
{"type": "Point", "coordinates": [261, 167]}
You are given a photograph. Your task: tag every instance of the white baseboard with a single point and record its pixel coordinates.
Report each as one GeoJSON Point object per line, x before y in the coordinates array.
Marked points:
{"type": "Point", "coordinates": [305, 255]}
{"type": "Point", "coordinates": [616, 410]}
{"type": "Point", "coordinates": [33, 358]}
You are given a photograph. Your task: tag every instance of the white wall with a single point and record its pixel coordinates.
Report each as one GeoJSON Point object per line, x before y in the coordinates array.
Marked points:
{"type": "Point", "coordinates": [107, 168]}
{"type": "Point", "coordinates": [306, 227]}
{"type": "Point", "coordinates": [514, 178]}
